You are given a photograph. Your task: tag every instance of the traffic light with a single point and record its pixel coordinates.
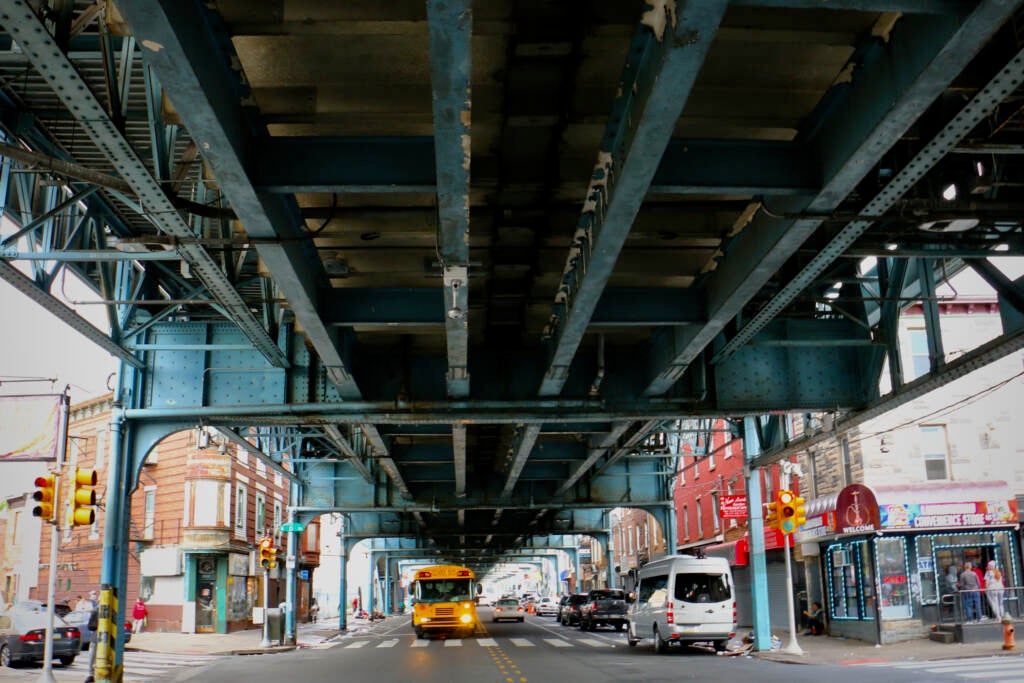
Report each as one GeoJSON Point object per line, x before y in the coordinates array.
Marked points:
{"type": "Point", "coordinates": [771, 519]}
{"type": "Point", "coordinates": [791, 511]}
{"type": "Point", "coordinates": [45, 497]}
{"type": "Point", "coordinates": [268, 553]}
{"type": "Point", "coordinates": [83, 499]}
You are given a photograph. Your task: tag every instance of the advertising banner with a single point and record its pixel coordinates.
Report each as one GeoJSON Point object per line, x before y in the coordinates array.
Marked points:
{"type": "Point", "coordinates": [734, 507]}
{"type": "Point", "coordinates": [30, 427]}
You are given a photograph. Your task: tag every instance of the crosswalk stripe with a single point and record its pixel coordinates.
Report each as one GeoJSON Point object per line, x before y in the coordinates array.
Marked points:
{"type": "Point", "coordinates": [453, 643]}
{"type": "Point", "coordinates": [592, 642]}
{"type": "Point", "coordinates": [358, 643]}
{"type": "Point", "coordinates": [388, 643]}
{"type": "Point", "coordinates": [557, 643]}
{"type": "Point", "coordinates": [421, 643]}
{"type": "Point", "coordinates": [487, 642]}
{"type": "Point", "coordinates": [520, 642]}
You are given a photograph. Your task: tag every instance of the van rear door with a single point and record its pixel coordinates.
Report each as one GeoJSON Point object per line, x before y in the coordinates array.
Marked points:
{"type": "Point", "coordinates": [705, 599]}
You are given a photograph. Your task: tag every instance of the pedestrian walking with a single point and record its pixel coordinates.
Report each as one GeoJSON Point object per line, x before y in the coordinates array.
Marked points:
{"type": "Point", "coordinates": [139, 613]}
{"type": "Point", "coordinates": [994, 589]}
{"type": "Point", "coordinates": [314, 610]}
{"type": "Point", "coordinates": [970, 590]}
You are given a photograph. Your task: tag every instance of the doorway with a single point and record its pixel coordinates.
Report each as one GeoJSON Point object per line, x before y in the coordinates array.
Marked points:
{"type": "Point", "coordinates": [206, 594]}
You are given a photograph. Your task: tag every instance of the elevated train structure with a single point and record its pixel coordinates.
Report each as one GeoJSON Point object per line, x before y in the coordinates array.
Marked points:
{"type": "Point", "coordinates": [453, 263]}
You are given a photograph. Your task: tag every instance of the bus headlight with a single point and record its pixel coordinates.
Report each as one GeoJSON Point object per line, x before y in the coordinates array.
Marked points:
{"type": "Point", "coordinates": [425, 619]}
{"type": "Point", "coordinates": [466, 618]}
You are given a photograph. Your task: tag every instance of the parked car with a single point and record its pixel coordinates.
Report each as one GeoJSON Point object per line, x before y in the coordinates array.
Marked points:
{"type": "Point", "coordinates": [547, 607]}
{"type": "Point", "coordinates": [569, 609]}
{"type": "Point", "coordinates": [23, 638]}
{"type": "Point", "coordinates": [682, 600]}
{"type": "Point", "coordinates": [508, 609]}
{"type": "Point", "coordinates": [60, 608]}
{"type": "Point", "coordinates": [80, 620]}
{"type": "Point", "coordinates": [603, 606]}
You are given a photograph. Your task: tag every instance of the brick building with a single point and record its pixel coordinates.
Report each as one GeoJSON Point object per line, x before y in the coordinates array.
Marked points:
{"type": "Point", "coordinates": [201, 506]}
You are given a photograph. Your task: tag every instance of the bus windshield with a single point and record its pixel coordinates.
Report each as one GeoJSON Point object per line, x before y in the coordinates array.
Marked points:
{"type": "Point", "coordinates": [444, 590]}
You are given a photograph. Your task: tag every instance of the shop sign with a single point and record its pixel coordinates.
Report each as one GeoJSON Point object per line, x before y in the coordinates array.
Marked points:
{"type": "Point", "coordinates": [857, 510]}
{"type": "Point", "coordinates": [933, 515]}
{"type": "Point", "coordinates": [816, 527]}
{"type": "Point", "coordinates": [733, 507]}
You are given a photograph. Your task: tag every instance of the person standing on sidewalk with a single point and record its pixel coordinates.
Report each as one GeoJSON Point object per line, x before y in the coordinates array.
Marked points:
{"type": "Point", "coordinates": [994, 589]}
{"type": "Point", "coordinates": [138, 616]}
{"type": "Point", "coordinates": [970, 589]}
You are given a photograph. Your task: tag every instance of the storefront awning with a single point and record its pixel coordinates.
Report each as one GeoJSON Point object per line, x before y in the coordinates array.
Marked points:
{"type": "Point", "coordinates": [860, 509]}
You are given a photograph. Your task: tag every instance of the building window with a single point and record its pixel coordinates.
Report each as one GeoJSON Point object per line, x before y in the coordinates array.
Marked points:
{"type": "Point", "coordinates": [261, 513]}
{"type": "Point", "coordinates": [700, 517]}
{"type": "Point", "coordinates": [149, 516]}
{"type": "Point", "coordinates": [16, 524]}
{"type": "Point", "coordinates": [277, 515]}
{"type": "Point", "coordinates": [920, 364]}
{"type": "Point", "coordinates": [715, 511]}
{"type": "Point", "coordinates": [207, 502]}
{"type": "Point", "coordinates": [686, 521]}
{"type": "Point", "coordinates": [847, 465]}
{"type": "Point", "coordinates": [711, 459]}
{"type": "Point", "coordinates": [935, 450]}
{"type": "Point", "coordinates": [241, 503]}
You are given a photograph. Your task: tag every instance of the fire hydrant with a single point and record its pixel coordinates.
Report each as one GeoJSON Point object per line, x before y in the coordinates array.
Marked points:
{"type": "Point", "coordinates": [1008, 643]}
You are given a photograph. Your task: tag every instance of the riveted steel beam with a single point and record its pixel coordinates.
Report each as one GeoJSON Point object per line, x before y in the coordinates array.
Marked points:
{"type": "Point", "coordinates": [894, 86]}
{"type": "Point", "coordinates": [668, 51]}
{"type": "Point", "coordinates": [53, 64]}
{"type": "Point", "coordinates": [451, 26]}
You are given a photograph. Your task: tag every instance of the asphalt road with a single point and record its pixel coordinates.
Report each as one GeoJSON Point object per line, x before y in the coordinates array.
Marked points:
{"type": "Point", "coordinates": [536, 651]}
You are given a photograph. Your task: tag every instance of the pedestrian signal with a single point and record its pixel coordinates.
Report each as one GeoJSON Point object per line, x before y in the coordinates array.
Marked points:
{"type": "Point", "coordinates": [268, 554]}
{"type": "Point", "coordinates": [83, 499]}
{"type": "Point", "coordinates": [46, 498]}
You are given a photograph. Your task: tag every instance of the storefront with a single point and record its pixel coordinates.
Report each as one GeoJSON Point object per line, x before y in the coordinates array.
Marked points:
{"type": "Point", "coordinates": [886, 552]}
{"type": "Point", "coordinates": [738, 554]}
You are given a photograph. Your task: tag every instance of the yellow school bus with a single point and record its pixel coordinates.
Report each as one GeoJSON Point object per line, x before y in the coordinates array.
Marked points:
{"type": "Point", "coordinates": [444, 600]}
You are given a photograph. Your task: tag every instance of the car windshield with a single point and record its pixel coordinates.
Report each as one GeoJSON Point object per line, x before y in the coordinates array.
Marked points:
{"type": "Point", "coordinates": [508, 603]}
{"type": "Point", "coordinates": [608, 595]}
{"type": "Point", "coordinates": [444, 590]}
{"type": "Point", "coordinates": [699, 587]}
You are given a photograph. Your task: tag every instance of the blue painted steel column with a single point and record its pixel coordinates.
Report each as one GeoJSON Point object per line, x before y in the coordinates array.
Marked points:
{"type": "Point", "coordinates": [373, 584]}
{"type": "Point", "coordinates": [666, 516]}
{"type": "Point", "coordinates": [758, 564]}
{"type": "Point", "coordinates": [930, 311]}
{"type": "Point", "coordinates": [113, 578]}
{"type": "Point", "coordinates": [343, 586]}
{"type": "Point", "coordinates": [576, 568]}
{"type": "Point", "coordinates": [387, 585]}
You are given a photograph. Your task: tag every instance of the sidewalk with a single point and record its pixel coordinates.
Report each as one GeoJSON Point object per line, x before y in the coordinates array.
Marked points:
{"type": "Point", "coordinates": [240, 642]}
{"type": "Point", "coordinates": [829, 650]}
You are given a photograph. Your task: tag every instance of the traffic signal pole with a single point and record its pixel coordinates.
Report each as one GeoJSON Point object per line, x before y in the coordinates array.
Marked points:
{"type": "Point", "coordinates": [792, 647]}
{"type": "Point", "coordinates": [46, 676]}
{"type": "Point", "coordinates": [266, 608]}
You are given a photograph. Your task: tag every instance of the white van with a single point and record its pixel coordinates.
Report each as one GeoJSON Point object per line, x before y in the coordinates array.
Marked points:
{"type": "Point", "coordinates": [683, 599]}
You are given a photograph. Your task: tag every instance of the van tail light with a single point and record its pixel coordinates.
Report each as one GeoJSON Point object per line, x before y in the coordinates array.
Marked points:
{"type": "Point", "coordinates": [734, 612]}
{"type": "Point", "coordinates": [670, 616]}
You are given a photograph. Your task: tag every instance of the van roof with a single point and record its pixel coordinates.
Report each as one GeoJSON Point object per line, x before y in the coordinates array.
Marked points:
{"type": "Point", "coordinates": [665, 562]}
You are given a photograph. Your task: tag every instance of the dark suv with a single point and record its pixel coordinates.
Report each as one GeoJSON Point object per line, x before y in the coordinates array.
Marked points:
{"type": "Point", "coordinates": [603, 606]}
{"type": "Point", "coordinates": [569, 608]}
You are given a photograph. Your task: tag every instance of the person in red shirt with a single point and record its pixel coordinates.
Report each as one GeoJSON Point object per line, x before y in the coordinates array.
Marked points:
{"type": "Point", "coordinates": [138, 616]}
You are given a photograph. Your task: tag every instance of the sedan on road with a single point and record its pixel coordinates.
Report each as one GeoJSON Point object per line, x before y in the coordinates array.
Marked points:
{"type": "Point", "coordinates": [547, 607]}
{"type": "Point", "coordinates": [23, 638]}
{"type": "Point", "coordinates": [508, 609]}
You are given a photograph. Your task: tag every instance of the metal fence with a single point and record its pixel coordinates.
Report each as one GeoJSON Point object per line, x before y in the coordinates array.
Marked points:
{"type": "Point", "coordinates": [953, 607]}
